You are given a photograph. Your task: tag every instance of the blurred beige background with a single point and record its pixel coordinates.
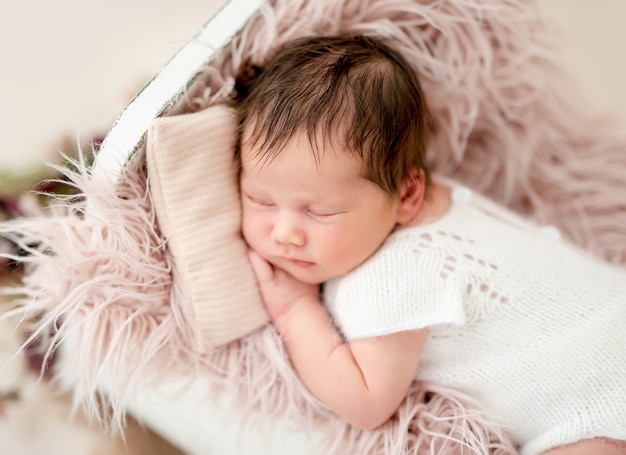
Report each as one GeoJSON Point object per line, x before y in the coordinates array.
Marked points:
{"type": "Point", "coordinates": [68, 67]}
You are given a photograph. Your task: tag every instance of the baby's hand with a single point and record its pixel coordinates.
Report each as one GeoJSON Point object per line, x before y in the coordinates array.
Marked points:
{"type": "Point", "coordinates": [280, 291]}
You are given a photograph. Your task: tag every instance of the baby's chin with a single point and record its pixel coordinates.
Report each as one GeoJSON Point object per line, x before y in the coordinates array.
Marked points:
{"type": "Point", "coordinates": [309, 275]}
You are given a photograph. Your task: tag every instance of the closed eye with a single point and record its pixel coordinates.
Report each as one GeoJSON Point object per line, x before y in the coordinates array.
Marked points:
{"type": "Point", "coordinates": [324, 214]}
{"type": "Point", "coordinates": [259, 201]}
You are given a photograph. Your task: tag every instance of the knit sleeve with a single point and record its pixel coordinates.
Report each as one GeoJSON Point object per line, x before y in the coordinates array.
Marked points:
{"type": "Point", "coordinates": [399, 288]}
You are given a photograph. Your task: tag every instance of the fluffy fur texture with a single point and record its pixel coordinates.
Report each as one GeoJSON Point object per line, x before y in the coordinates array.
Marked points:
{"type": "Point", "coordinates": [508, 123]}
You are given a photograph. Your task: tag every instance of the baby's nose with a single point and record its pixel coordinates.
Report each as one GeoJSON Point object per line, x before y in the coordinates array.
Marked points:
{"type": "Point", "coordinates": [286, 230]}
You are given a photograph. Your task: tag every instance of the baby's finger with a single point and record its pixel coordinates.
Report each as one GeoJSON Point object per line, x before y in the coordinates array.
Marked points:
{"type": "Point", "coordinates": [261, 267]}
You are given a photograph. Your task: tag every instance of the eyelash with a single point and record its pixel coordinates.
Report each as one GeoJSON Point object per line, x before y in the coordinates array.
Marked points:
{"type": "Point", "coordinates": [265, 204]}
{"type": "Point", "coordinates": [321, 215]}
{"type": "Point", "coordinates": [259, 202]}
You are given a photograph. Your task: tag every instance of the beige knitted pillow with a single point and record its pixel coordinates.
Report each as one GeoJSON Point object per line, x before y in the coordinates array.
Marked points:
{"type": "Point", "coordinates": [193, 184]}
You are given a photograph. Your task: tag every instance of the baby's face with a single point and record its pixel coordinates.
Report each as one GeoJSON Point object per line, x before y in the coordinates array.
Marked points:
{"type": "Point", "coordinates": [315, 220]}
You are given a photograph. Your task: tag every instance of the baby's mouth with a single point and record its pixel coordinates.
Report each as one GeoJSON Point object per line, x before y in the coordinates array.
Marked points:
{"type": "Point", "coordinates": [299, 263]}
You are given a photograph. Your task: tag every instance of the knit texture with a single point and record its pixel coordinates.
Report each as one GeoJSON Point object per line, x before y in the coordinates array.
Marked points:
{"type": "Point", "coordinates": [200, 218]}
{"type": "Point", "coordinates": [529, 325]}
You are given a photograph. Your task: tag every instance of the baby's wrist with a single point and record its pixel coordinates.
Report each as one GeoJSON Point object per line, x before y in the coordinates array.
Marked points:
{"type": "Point", "coordinates": [295, 305]}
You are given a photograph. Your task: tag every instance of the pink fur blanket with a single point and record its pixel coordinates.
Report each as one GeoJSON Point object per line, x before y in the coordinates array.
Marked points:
{"type": "Point", "coordinates": [509, 122]}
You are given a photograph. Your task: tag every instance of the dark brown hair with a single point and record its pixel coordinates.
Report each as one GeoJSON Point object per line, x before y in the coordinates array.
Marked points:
{"type": "Point", "coordinates": [356, 86]}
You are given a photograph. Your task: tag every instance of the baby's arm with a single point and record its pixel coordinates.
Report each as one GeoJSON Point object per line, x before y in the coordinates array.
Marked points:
{"type": "Point", "coordinates": [363, 382]}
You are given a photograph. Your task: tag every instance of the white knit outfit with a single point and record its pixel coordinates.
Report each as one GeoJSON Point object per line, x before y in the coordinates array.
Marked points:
{"type": "Point", "coordinates": [531, 326]}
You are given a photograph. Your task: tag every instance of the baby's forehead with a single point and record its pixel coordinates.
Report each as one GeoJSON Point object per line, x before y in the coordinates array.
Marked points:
{"type": "Point", "coordinates": [258, 141]}
{"type": "Point", "coordinates": [299, 151]}
{"type": "Point", "coordinates": [320, 156]}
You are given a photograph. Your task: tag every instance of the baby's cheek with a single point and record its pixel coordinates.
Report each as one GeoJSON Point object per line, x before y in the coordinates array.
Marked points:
{"type": "Point", "coordinates": [246, 226]}
{"type": "Point", "coordinates": [252, 230]}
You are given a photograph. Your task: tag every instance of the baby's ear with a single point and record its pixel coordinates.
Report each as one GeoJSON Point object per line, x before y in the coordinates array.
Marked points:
{"type": "Point", "coordinates": [412, 192]}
